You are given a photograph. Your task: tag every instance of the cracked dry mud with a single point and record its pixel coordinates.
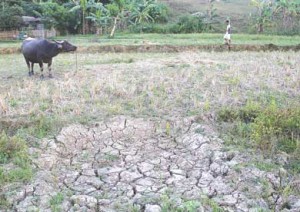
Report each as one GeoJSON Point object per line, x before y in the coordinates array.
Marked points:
{"type": "Point", "coordinates": [128, 162]}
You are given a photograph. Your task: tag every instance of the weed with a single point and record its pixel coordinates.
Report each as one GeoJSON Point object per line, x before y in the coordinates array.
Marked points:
{"type": "Point", "coordinates": [238, 167]}
{"type": "Point", "coordinates": [4, 204]}
{"type": "Point", "coordinates": [55, 202]}
{"type": "Point", "coordinates": [41, 125]}
{"type": "Point", "coordinates": [269, 128]}
{"type": "Point", "coordinates": [119, 60]}
{"type": "Point", "coordinates": [110, 157]}
{"type": "Point", "coordinates": [14, 150]}
{"type": "Point", "coordinates": [168, 128]}
{"type": "Point", "coordinates": [11, 147]}
{"type": "Point", "coordinates": [167, 204]}
{"type": "Point", "coordinates": [191, 206]}
{"type": "Point", "coordinates": [199, 130]}
{"type": "Point", "coordinates": [265, 166]}
{"type": "Point", "coordinates": [212, 204]}
{"type": "Point", "coordinates": [244, 114]}
{"type": "Point", "coordinates": [277, 128]}
{"type": "Point", "coordinates": [134, 208]}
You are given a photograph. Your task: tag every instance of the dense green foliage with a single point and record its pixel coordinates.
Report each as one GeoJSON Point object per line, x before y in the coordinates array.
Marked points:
{"type": "Point", "coordinates": [279, 16]}
{"type": "Point", "coordinates": [108, 16]}
{"type": "Point", "coordinates": [11, 19]}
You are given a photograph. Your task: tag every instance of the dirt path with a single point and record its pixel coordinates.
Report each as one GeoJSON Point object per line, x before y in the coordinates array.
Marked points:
{"type": "Point", "coordinates": [128, 164]}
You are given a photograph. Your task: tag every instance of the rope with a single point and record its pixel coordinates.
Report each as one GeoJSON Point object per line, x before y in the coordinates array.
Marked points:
{"type": "Point", "coordinates": [76, 64]}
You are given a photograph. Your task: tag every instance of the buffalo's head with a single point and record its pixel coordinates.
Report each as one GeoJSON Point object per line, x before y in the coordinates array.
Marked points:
{"type": "Point", "coordinates": [65, 46]}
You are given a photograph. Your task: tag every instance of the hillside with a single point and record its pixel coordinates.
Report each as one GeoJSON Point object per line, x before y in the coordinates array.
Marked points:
{"type": "Point", "coordinates": [237, 10]}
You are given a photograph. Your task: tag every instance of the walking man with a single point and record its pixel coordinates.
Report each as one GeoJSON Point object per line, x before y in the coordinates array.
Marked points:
{"type": "Point", "coordinates": [227, 38]}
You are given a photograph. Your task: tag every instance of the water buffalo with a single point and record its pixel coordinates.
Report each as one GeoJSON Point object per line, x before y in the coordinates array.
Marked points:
{"type": "Point", "coordinates": [42, 51]}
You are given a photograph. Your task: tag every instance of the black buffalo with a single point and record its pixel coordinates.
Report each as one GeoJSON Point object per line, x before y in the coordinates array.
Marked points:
{"type": "Point", "coordinates": [42, 51]}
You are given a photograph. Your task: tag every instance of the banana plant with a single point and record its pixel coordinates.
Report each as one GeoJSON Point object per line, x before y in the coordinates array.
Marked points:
{"type": "Point", "coordinates": [117, 10]}
{"type": "Point", "coordinates": [81, 5]}
{"type": "Point", "coordinates": [264, 13]}
{"type": "Point", "coordinates": [100, 16]}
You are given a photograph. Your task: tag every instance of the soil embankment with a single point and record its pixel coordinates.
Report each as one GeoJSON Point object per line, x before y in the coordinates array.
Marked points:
{"type": "Point", "coordinates": [170, 48]}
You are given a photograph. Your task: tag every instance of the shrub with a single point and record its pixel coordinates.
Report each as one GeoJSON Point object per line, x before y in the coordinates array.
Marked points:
{"type": "Point", "coordinates": [270, 128]}
{"type": "Point", "coordinates": [185, 24]}
{"type": "Point", "coordinates": [188, 24]}
{"type": "Point", "coordinates": [11, 147]}
{"type": "Point", "coordinates": [11, 17]}
{"type": "Point", "coordinates": [279, 128]}
{"type": "Point", "coordinates": [14, 150]}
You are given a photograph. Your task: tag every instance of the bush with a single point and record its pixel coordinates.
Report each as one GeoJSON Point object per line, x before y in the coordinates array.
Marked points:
{"type": "Point", "coordinates": [14, 150]}
{"type": "Point", "coordinates": [11, 17]}
{"type": "Point", "coordinates": [188, 24]}
{"type": "Point", "coordinates": [11, 147]}
{"type": "Point", "coordinates": [149, 28]}
{"type": "Point", "coordinates": [277, 128]}
{"type": "Point", "coordinates": [185, 24]}
{"type": "Point", "coordinates": [270, 128]}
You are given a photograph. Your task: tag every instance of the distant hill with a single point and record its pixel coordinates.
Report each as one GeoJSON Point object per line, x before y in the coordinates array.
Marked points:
{"type": "Point", "coordinates": [237, 10]}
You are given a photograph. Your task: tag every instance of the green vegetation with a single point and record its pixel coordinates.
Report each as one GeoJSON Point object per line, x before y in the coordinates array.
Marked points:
{"type": "Point", "coordinates": [269, 128]}
{"type": "Point", "coordinates": [110, 16]}
{"type": "Point", "coordinates": [13, 150]}
{"type": "Point", "coordinates": [55, 202]}
{"type": "Point", "coordinates": [203, 203]}
{"type": "Point", "coordinates": [168, 39]}
{"type": "Point", "coordinates": [169, 204]}
{"type": "Point", "coordinates": [255, 94]}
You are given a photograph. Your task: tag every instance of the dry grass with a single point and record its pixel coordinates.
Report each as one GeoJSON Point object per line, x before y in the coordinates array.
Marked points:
{"type": "Point", "coordinates": [151, 85]}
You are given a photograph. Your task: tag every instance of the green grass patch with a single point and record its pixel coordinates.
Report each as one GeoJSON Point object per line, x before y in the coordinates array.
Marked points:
{"type": "Point", "coordinates": [14, 160]}
{"type": "Point", "coordinates": [269, 128]}
{"type": "Point", "coordinates": [56, 201]}
{"type": "Point", "coordinates": [184, 39]}
{"type": "Point", "coordinates": [170, 39]}
{"type": "Point", "coordinates": [169, 204]}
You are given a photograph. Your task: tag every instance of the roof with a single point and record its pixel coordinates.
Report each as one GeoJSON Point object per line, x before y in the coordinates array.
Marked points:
{"type": "Point", "coordinates": [28, 19]}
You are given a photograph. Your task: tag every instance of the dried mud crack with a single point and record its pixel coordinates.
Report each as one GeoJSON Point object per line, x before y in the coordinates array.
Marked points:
{"type": "Point", "coordinates": [127, 163]}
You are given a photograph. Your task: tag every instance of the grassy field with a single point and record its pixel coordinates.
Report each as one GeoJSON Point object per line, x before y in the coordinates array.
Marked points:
{"type": "Point", "coordinates": [239, 94]}
{"type": "Point", "coordinates": [154, 84]}
{"type": "Point", "coordinates": [171, 39]}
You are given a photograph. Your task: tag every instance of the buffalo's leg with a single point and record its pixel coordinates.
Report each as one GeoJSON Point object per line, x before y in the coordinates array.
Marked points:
{"type": "Point", "coordinates": [42, 69]}
{"type": "Point", "coordinates": [30, 67]}
{"type": "Point", "coordinates": [49, 69]}
{"type": "Point", "coordinates": [31, 72]}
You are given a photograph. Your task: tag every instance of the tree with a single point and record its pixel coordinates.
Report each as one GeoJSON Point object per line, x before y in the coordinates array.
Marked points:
{"type": "Point", "coordinates": [211, 15]}
{"type": "Point", "coordinates": [288, 12]}
{"type": "Point", "coordinates": [263, 14]}
{"type": "Point", "coordinates": [100, 16]}
{"type": "Point", "coordinates": [10, 15]}
{"type": "Point", "coordinates": [141, 11]}
{"type": "Point", "coordinates": [81, 5]}
{"type": "Point", "coordinates": [145, 11]}
{"type": "Point", "coordinates": [55, 15]}
{"type": "Point", "coordinates": [116, 12]}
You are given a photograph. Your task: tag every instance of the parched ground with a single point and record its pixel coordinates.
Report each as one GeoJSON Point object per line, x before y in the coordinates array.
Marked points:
{"type": "Point", "coordinates": [136, 132]}
{"type": "Point", "coordinates": [125, 164]}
